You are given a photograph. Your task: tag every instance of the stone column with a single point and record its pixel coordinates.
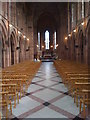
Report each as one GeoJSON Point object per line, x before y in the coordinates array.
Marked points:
{"type": "Point", "coordinates": [79, 11]}
{"type": "Point", "coordinates": [36, 49]}
{"type": "Point", "coordinates": [31, 36]}
{"type": "Point", "coordinates": [68, 17]}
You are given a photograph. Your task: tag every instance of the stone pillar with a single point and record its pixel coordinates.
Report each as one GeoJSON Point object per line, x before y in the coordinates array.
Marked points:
{"type": "Point", "coordinates": [0, 52]}
{"type": "Point", "coordinates": [53, 40]}
{"type": "Point", "coordinates": [42, 40]}
{"type": "Point", "coordinates": [79, 11]}
{"type": "Point", "coordinates": [73, 9]}
{"type": "Point", "coordinates": [36, 49]}
{"type": "Point", "coordinates": [31, 36]}
{"type": "Point", "coordinates": [68, 17]}
{"type": "Point", "coordinates": [0, 56]}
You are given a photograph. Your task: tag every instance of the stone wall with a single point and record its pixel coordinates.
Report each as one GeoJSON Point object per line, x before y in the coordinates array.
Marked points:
{"type": "Point", "coordinates": [21, 22]}
{"type": "Point", "coordinates": [73, 32]}
{"type": "Point", "coordinates": [17, 32]}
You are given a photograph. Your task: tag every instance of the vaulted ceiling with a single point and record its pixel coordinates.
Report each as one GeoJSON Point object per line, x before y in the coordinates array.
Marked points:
{"type": "Point", "coordinates": [46, 15]}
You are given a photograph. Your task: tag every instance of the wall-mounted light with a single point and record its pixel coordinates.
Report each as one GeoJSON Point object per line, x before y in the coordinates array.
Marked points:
{"type": "Point", "coordinates": [66, 38]}
{"type": "Point", "coordinates": [19, 32]}
{"type": "Point", "coordinates": [37, 45]}
{"type": "Point", "coordinates": [51, 46]}
{"type": "Point", "coordinates": [69, 35]}
{"type": "Point", "coordinates": [74, 30]}
{"type": "Point", "coordinates": [42, 46]}
{"type": "Point", "coordinates": [57, 45]}
{"type": "Point", "coordinates": [24, 36]}
{"type": "Point", "coordinates": [82, 23]}
{"type": "Point", "coordinates": [10, 25]}
{"type": "Point", "coordinates": [27, 39]}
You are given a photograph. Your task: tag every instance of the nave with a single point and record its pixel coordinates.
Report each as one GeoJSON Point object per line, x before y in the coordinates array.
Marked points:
{"type": "Point", "coordinates": [46, 97]}
{"type": "Point", "coordinates": [32, 34]}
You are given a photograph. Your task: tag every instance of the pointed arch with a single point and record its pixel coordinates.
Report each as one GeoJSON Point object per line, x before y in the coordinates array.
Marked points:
{"type": "Point", "coordinates": [81, 45]}
{"type": "Point", "coordinates": [88, 41]}
{"type": "Point", "coordinates": [3, 34]}
{"type": "Point", "coordinates": [13, 44]}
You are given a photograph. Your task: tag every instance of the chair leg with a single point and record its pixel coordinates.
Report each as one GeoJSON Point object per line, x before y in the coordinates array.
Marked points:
{"type": "Point", "coordinates": [20, 94]}
{"type": "Point", "coordinates": [18, 98]}
{"type": "Point", "coordinates": [0, 116]}
{"type": "Point", "coordinates": [84, 114]}
{"type": "Point", "coordinates": [15, 101]}
{"type": "Point", "coordinates": [74, 98]}
{"type": "Point", "coordinates": [26, 88]}
{"type": "Point", "coordinates": [11, 97]}
{"type": "Point", "coordinates": [77, 100]}
{"type": "Point", "coordinates": [7, 112]}
{"type": "Point", "coordinates": [11, 107]}
{"type": "Point", "coordinates": [80, 105]}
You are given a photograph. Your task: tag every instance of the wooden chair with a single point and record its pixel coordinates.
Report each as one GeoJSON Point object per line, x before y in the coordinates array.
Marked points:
{"type": "Point", "coordinates": [5, 102]}
{"type": "Point", "coordinates": [79, 86]}
{"type": "Point", "coordinates": [11, 88]}
{"type": "Point", "coordinates": [85, 100]}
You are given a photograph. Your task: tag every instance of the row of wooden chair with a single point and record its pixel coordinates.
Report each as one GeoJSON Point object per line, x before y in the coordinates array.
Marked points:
{"type": "Point", "coordinates": [76, 78]}
{"type": "Point", "coordinates": [14, 83]}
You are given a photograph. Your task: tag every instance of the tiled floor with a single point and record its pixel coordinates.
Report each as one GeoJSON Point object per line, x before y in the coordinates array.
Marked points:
{"type": "Point", "coordinates": [46, 97]}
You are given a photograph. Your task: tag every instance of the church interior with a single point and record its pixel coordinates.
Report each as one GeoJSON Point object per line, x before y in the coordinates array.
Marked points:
{"type": "Point", "coordinates": [45, 60]}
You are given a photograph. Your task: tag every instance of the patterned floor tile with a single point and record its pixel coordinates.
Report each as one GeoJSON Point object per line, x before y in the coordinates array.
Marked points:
{"type": "Point", "coordinates": [60, 87]}
{"type": "Point", "coordinates": [36, 79]}
{"type": "Point", "coordinates": [46, 97]}
{"type": "Point", "coordinates": [67, 103]}
{"type": "Point", "coordinates": [47, 94]}
{"type": "Point", "coordinates": [25, 104]}
{"type": "Point", "coordinates": [46, 104]}
{"type": "Point", "coordinates": [57, 79]}
{"type": "Point", "coordinates": [46, 113]}
{"type": "Point", "coordinates": [33, 88]}
{"type": "Point", "coordinates": [47, 83]}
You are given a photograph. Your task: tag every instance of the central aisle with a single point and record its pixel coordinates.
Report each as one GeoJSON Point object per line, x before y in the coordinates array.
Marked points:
{"type": "Point", "coordinates": [47, 97]}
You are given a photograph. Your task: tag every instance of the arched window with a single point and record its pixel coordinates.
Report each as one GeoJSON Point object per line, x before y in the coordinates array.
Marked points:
{"type": "Point", "coordinates": [55, 40]}
{"type": "Point", "coordinates": [47, 39]}
{"type": "Point", "coordinates": [83, 5]}
{"type": "Point", "coordinates": [39, 40]}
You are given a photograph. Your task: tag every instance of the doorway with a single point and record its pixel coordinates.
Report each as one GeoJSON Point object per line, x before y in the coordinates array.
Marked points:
{"type": "Point", "coordinates": [12, 49]}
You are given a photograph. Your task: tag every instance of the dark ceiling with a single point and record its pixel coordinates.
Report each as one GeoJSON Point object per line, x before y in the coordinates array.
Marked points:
{"type": "Point", "coordinates": [45, 14]}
